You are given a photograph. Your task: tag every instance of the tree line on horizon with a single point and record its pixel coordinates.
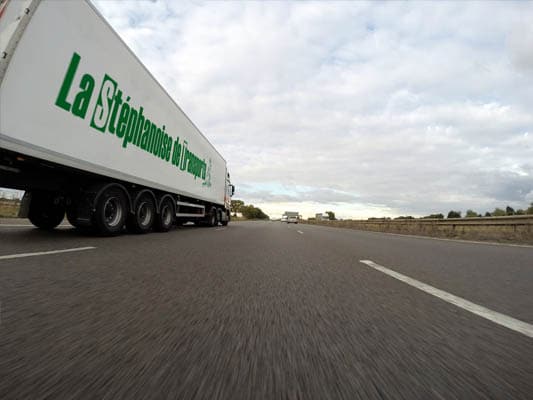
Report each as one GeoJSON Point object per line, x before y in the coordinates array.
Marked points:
{"type": "Point", "coordinates": [247, 211]}
{"type": "Point", "coordinates": [498, 212]}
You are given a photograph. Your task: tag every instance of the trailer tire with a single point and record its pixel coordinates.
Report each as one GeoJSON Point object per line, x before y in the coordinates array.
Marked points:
{"type": "Point", "coordinates": [212, 219]}
{"type": "Point", "coordinates": [144, 215]}
{"type": "Point", "coordinates": [72, 218]}
{"type": "Point", "coordinates": [111, 212]}
{"type": "Point", "coordinates": [44, 213]}
{"type": "Point", "coordinates": [165, 218]}
{"type": "Point", "coordinates": [225, 222]}
{"type": "Point", "coordinates": [83, 228]}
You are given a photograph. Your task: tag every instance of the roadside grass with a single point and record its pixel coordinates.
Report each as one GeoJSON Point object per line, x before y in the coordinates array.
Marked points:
{"type": "Point", "coordinates": [517, 229]}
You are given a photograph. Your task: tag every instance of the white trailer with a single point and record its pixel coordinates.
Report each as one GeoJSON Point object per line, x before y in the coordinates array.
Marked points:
{"type": "Point", "coordinates": [86, 130]}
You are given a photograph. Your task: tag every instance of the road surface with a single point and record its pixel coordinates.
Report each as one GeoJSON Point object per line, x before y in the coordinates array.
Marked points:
{"type": "Point", "coordinates": [261, 310]}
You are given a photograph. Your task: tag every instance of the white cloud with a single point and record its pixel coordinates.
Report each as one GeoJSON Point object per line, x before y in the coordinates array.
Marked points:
{"type": "Point", "coordinates": [415, 107]}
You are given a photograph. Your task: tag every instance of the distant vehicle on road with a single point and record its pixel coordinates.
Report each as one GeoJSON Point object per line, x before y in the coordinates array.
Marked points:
{"type": "Point", "coordinates": [86, 130]}
{"type": "Point", "coordinates": [291, 217]}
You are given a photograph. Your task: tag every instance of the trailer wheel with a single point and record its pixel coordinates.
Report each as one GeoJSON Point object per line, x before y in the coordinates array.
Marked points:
{"type": "Point", "coordinates": [111, 212]}
{"type": "Point", "coordinates": [72, 218]}
{"type": "Point", "coordinates": [45, 212]}
{"type": "Point", "coordinates": [212, 219]}
{"type": "Point", "coordinates": [142, 220]}
{"type": "Point", "coordinates": [225, 223]}
{"type": "Point", "coordinates": [165, 218]}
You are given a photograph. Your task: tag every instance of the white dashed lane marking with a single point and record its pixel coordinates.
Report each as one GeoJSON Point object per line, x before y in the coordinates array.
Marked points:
{"type": "Point", "coordinates": [494, 316]}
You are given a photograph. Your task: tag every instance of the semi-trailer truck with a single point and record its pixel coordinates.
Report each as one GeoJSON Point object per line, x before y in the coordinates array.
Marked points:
{"type": "Point", "coordinates": [87, 131]}
{"type": "Point", "coordinates": [291, 217]}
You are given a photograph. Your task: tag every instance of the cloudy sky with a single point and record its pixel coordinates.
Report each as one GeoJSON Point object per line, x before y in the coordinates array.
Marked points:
{"type": "Point", "coordinates": [366, 109]}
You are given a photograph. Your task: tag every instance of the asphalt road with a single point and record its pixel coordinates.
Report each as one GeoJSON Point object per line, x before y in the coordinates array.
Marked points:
{"type": "Point", "coordinates": [259, 310]}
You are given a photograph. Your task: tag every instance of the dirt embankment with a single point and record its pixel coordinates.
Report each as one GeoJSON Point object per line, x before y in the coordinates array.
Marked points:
{"type": "Point", "coordinates": [513, 229]}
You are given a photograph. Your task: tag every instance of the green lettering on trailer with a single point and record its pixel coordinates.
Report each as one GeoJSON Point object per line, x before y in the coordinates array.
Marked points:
{"type": "Point", "coordinates": [119, 118]}
{"type": "Point", "coordinates": [103, 104]}
{"type": "Point", "coordinates": [61, 100]}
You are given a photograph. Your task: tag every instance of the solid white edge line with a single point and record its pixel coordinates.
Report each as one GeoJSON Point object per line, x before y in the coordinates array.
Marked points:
{"type": "Point", "coordinates": [494, 316]}
{"type": "Point", "coordinates": [44, 253]}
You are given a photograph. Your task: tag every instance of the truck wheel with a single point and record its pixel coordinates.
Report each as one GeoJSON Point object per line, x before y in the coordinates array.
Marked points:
{"type": "Point", "coordinates": [78, 216]}
{"type": "Point", "coordinates": [225, 223]}
{"type": "Point", "coordinates": [72, 217]}
{"type": "Point", "coordinates": [142, 219]}
{"type": "Point", "coordinates": [165, 218]}
{"type": "Point", "coordinates": [44, 212]}
{"type": "Point", "coordinates": [111, 212]}
{"type": "Point", "coordinates": [212, 218]}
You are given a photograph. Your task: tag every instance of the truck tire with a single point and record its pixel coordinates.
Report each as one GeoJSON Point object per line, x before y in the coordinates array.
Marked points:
{"type": "Point", "coordinates": [83, 228]}
{"type": "Point", "coordinates": [165, 219]}
{"type": "Point", "coordinates": [71, 217]}
{"type": "Point", "coordinates": [44, 212]}
{"type": "Point", "coordinates": [212, 219]}
{"type": "Point", "coordinates": [79, 214]}
{"type": "Point", "coordinates": [225, 223]}
{"type": "Point", "coordinates": [144, 215]}
{"type": "Point", "coordinates": [111, 212]}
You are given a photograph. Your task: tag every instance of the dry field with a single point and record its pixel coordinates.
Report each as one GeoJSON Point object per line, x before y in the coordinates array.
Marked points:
{"type": "Point", "coordinates": [513, 229]}
{"type": "Point", "coordinates": [9, 208]}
